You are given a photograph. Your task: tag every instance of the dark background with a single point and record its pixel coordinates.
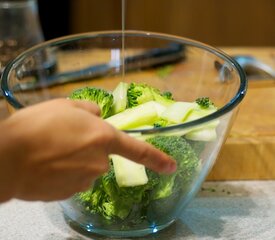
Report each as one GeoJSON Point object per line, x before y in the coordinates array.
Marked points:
{"type": "Point", "coordinates": [55, 17]}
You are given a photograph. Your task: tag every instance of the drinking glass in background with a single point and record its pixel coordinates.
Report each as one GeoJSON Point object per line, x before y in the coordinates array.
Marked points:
{"type": "Point", "coordinates": [19, 28]}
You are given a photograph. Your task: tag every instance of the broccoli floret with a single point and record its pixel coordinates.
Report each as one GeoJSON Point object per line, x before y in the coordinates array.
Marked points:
{"type": "Point", "coordinates": [97, 95]}
{"type": "Point", "coordinates": [139, 93]}
{"type": "Point", "coordinates": [167, 95]}
{"type": "Point", "coordinates": [204, 102]}
{"type": "Point", "coordinates": [92, 199]}
{"type": "Point", "coordinates": [160, 123]}
{"type": "Point", "coordinates": [132, 204]}
{"type": "Point", "coordinates": [112, 202]}
{"type": "Point", "coordinates": [187, 160]}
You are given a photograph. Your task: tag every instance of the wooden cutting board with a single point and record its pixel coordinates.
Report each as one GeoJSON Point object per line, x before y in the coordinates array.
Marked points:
{"type": "Point", "coordinates": [249, 152]}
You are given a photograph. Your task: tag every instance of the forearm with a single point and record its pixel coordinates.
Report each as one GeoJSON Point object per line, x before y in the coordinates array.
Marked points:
{"type": "Point", "coordinates": [52, 150]}
{"type": "Point", "coordinates": [7, 163]}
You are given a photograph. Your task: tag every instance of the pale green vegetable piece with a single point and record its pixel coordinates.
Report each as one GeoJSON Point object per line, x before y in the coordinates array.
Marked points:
{"type": "Point", "coordinates": [128, 173]}
{"type": "Point", "coordinates": [204, 134]}
{"type": "Point", "coordinates": [143, 114]}
{"type": "Point", "coordinates": [200, 113]}
{"type": "Point", "coordinates": [120, 97]}
{"type": "Point", "coordinates": [178, 111]}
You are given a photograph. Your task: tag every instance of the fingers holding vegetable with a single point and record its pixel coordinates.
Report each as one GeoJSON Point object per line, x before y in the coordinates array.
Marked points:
{"type": "Point", "coordinates": [57, 150]}
{"type": "Point", "coordinates": [110, 103]}
{"type": "Point", "coordinates": [143, 153]}
{"type": "Point", "coordinates": [88, 106]}
{"type": "Point", "coordinates": [130, 193]}
{"type": "Point", "coordinates": [67, 145]}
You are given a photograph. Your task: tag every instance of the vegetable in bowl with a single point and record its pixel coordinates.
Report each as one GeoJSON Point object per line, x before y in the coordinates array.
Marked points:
{"type": "Point", "coordinates": [80, 60]}
{"type": "Point", "coordinates": [130, 196]}
{"type": "Point", "coordinates": [99, 96]}
{"type": "Point", "coordinates": [121, 193]}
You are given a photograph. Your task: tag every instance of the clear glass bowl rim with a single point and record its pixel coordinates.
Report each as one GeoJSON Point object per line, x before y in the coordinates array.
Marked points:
{"type": "Point", "coordinates": [89, 35]}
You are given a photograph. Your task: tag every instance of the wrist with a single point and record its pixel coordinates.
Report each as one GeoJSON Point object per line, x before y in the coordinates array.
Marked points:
{"type": "Point", "coordinates": [8, 163]}
{"type": "Point", "coordinates": [7, 186]}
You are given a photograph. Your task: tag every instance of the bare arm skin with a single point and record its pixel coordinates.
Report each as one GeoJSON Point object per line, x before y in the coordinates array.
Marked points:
{"type": "Point", "coordinates": [54, 149]}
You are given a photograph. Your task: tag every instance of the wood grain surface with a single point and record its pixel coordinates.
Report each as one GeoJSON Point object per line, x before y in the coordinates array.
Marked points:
{"type": "Point", "coordinates": [228, 23]}
{"type": "Point", "coordinates": [249, 152]}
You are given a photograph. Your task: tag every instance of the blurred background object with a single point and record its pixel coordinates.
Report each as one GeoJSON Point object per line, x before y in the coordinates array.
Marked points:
{"type": "Point", "coordinates": [19, 28]}
{"type": "Point", "coordinates": [55, 17]}
{"type": "Point", "coordinates": [218, 23]}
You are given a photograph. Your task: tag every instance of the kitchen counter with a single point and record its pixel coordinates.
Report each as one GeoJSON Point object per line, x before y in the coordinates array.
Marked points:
{"type": "Point", "coordinates": [221, 210]}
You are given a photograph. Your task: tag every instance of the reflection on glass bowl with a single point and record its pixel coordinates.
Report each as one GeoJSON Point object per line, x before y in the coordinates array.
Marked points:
{"type": "Point", "coordinates": [186, 68]}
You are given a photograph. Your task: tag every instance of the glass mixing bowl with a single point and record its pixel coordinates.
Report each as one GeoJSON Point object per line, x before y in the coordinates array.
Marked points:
{"type": "Point", "coordinates": [186, 68]}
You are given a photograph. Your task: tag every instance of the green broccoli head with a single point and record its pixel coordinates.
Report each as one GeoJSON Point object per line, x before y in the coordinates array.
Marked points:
{"type": "Point", "coordinates": [176, 147]}
{"type": "Point", "coordinates": [99, 96]}
{"type": "Point", "coordinates": [130, 204]}
{"type": "Point", "coordinates": [91, 199]}
{"type": "Point", "coordinates": [139, 93]}
{"type": "Point", "coordinates": [167, 95]}
{"type": "Point", "coordinates": [160, 123]}
{"type": "Point", "coordinates": [204, 102]}
{"type": "Point", "coordinates": [187, 160]}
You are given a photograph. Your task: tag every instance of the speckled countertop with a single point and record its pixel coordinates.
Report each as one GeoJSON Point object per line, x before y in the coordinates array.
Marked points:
{"type": "Point", "coordinates": [222, 210]}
